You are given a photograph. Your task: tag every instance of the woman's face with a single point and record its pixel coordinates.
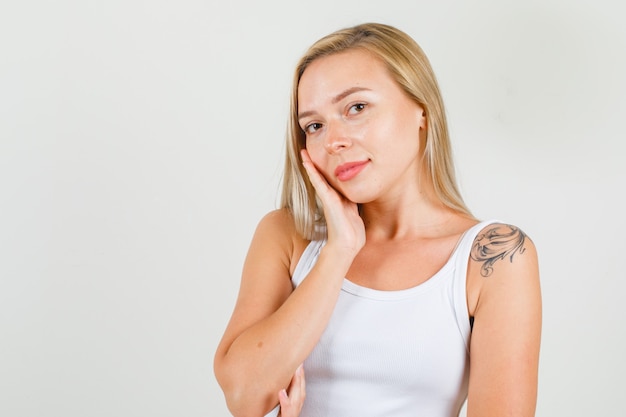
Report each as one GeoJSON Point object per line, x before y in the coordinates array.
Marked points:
{"type": "Point", "coordinates": [362, 131]}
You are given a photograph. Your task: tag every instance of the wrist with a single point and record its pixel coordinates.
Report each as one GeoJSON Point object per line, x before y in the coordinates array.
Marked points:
{"type": "Point", "coordinates": [337, 255]}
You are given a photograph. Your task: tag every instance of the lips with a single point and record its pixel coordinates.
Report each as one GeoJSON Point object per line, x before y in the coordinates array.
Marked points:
{"type": "Point", "coordinates": [350, 170]}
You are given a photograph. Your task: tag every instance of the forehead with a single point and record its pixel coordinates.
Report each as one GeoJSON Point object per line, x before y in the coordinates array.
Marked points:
{"type": "Point", "coordinates": [330, 75]}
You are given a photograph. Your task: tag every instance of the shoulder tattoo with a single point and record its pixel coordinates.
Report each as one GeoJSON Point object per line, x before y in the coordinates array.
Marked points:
{"type": "Point", "coordinates": [497, 242]}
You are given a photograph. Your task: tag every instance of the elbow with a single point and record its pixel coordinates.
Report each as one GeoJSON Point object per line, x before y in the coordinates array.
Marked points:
{"type": "Point", "coordinates": [241, 404]}
{"type": "Point", "coordinates": [245, 396]}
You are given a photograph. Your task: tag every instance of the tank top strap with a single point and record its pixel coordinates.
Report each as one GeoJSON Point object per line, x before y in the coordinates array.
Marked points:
{"type": "Point", "coordinates": [459, 284]}
{"type": "Point", "coordinates": [307, 260]}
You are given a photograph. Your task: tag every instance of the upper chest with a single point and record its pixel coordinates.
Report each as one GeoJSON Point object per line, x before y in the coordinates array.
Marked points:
{"type": "Point", "coordinates": [398, 265]}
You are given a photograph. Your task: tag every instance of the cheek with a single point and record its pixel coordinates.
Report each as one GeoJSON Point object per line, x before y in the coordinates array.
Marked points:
{"type": "Point", "coordinates": [319, 156]}
{"type": "Point", "coordinates": [316, 152]}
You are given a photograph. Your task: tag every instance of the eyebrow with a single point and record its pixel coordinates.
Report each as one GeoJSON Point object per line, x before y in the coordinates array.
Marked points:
{"type": "Point", "coordinates": [336, 99]}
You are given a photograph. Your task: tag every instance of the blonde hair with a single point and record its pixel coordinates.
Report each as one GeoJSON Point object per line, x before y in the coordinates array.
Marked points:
{"type": "Point", "coordinates": [410, 68]}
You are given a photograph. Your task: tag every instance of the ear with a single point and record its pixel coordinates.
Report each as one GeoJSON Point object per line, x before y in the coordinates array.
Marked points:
{"type": "Point", "coordinates": [422, 118]}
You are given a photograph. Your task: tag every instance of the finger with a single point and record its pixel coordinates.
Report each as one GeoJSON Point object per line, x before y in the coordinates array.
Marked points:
{"type": "Point", "coordinates": [291, 401]}
{"type": "Point", "coordinates": [288, 408]}
{"type": "Point", "coordinates": [302, 382]}
{"type": "Point", "coordinates": [285, 406]}
{"type": "Point", "coordinates": [317, 179]}
{"type": "Point", "coordinates": [297, 387]}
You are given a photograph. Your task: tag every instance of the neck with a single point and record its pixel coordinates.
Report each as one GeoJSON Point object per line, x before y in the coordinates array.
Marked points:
{"type": "Point", "coordinates": [407, 215]}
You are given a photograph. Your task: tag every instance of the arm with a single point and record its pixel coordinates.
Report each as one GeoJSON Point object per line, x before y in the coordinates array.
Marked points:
{"type": "Point", "coordinates": [505, 300]}
{"type": "Point", "coordinates": [272, 329]}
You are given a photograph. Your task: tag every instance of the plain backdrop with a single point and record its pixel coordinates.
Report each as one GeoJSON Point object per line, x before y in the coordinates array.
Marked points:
{"type": "Point", "coordinates": [142, 141]}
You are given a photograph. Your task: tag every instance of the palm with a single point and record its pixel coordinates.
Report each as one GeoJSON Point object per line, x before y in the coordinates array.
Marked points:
{"type": "Point", "coordinates": [344, 224]}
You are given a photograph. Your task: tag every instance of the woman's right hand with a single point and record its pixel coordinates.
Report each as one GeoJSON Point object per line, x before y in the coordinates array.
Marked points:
{"type": "Point", "coordinates": [346, 230]}
{"type": "Point", "coordinates": [291, 402]}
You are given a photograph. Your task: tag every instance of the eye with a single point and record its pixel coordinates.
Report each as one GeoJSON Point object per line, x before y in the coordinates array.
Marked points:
{"type": "Point", "coordinates": [312, 128]}
{"type": "Point", "coordinates": [356, 108]}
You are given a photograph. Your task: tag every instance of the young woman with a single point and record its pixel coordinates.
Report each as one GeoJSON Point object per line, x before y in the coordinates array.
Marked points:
{"type": "Point", "coordinates": [374, 274]}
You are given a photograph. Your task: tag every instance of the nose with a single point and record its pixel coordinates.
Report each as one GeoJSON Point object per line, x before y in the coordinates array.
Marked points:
{"type": "Point", "coordinates": [337, 138]}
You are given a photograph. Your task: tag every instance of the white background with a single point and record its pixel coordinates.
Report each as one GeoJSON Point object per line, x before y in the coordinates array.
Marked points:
{"type": "Point", "coordinates": [142, 141]}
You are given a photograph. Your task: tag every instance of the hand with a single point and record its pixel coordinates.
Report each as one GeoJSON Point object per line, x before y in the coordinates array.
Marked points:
{"type": "Point", "coordinates": [345, 227]}
{"type": "Point", "coordinates": [291, 402]}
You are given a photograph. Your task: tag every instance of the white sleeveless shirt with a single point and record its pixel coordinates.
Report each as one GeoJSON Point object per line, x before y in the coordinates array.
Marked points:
{"type": "Point", "coordinates": [393, 353]}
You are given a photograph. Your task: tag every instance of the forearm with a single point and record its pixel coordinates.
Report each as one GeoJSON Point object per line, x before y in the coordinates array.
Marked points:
{"type": "Point", "coordinates": [263, 358]}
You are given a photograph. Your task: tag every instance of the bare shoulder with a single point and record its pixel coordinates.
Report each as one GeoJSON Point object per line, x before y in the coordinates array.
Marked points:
{"type": "Point", "coordinates": [277, 232]}
{"type": "Point", "coordinates": [500, 244]}
{"type": "Point", "coordinates": [280, 220]}
{"type": "Point", "coordinates": [502, 259]}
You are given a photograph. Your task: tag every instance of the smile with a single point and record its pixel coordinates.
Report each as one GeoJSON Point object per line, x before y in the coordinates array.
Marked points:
{"type": "Point", "coordinates": [349, 170]}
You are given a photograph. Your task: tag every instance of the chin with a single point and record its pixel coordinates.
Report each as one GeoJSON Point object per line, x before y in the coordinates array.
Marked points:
{"type": "Point", "coordinates": [359, 196]}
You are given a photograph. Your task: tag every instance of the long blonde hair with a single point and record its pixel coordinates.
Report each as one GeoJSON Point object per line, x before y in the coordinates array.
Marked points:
{"type": "Point", "coordinates": [410, 68]}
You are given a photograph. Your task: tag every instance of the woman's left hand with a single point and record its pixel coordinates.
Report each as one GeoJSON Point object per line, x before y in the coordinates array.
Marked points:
{"type": "Point", "coordinates": [291, 401]}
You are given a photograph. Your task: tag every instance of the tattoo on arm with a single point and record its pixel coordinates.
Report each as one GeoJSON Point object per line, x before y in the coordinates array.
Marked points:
{"type": "Point", "coordinates": [497, 242]}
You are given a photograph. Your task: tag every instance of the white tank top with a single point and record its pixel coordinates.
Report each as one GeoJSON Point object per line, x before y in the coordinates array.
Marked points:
{"type": "Point", "coordinates": [393, 353]}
